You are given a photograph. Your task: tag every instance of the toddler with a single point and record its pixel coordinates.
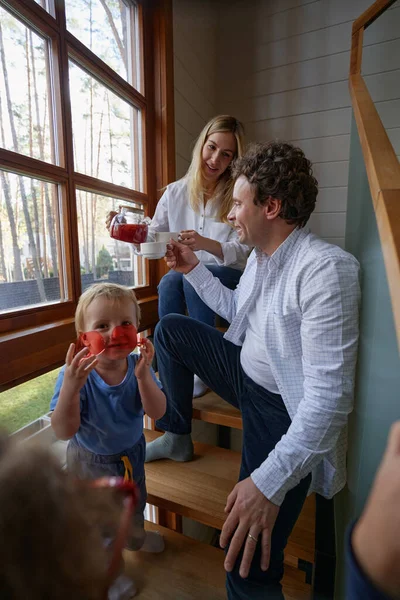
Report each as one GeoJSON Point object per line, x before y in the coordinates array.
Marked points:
{"type": "Point", "coordinates": [51, 530]}
{"type": "Point", "coordinates": [102, 393]}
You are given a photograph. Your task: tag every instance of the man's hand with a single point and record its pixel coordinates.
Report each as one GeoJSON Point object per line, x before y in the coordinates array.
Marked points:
{"type": "Point", "coordinates": [180, 257]}
{"type": "Point", "coordinates": [252, 515]}
{"type": "Point", "coordinates": [376, 536]}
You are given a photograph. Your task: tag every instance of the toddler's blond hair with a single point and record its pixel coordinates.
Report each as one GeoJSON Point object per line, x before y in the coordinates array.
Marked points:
{"type": "Point", "coordinates": [110, 291]}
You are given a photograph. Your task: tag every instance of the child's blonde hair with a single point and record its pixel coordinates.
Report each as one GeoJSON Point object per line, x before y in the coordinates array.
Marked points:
{"type": "Point", "coordinates": [224, 189]}
{"type": "Point", "coordinates": [50, 528]}
{"type": "Point", "coordinates": [110, 291]}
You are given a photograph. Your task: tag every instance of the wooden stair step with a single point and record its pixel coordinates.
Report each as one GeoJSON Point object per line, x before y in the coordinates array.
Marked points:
{"type": "Point", "coordinates": [211, 408]}
{"type": "Point", "coordinates": [191, 570]}
{"type": "Point", "coordinates": [198, 490]}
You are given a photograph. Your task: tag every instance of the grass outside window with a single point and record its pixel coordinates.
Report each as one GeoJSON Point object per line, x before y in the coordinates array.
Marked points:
{"type": "Point", "coordinates": [27, 402]}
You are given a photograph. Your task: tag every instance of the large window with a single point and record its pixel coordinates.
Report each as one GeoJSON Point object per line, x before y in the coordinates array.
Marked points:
{"type": "Point", "coordinates": [81, 111]}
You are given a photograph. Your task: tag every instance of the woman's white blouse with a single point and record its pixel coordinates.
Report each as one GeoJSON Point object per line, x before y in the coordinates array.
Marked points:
{"type": "Point", "coordinates": [174, 213]}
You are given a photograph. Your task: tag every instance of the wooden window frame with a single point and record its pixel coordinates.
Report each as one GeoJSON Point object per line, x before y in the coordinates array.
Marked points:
{"type": "Point", "coordinates": [34, 340]}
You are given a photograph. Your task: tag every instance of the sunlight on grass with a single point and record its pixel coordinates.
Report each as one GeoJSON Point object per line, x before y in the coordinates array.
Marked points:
{"type": "Point", "coordinates": [26, 402]}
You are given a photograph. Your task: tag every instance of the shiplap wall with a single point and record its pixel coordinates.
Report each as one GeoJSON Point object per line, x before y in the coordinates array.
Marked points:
{"type": "Point", "coordinates": [195, 73]}
{"type": "Point", "coordinates": [283, 70]}
{"type": "Point", "coordinates": [281, 66]}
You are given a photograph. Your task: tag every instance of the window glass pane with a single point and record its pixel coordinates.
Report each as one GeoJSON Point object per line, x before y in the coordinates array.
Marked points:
{"type": "Point", "coordinates": [29, 251]}
{"type": "Point", "coordinates": [27, 402]}
{"type": "Point", "coordinates": [25, 106]}
{"type": "Point", "coordinates": [105, 128]}
{"type": "Point", "coordinates": [103, 258]}
{"type": "Point", "coordinates": [46, 4]}
{"type": "Point", "coordinates": [105, 27]}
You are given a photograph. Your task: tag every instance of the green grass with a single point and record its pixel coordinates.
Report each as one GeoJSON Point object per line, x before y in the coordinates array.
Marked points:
{"type": "Point", "coordinates": [25, 403]}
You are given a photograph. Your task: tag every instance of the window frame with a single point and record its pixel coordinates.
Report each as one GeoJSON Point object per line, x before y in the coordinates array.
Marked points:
{"type": "Point", "coordinates": [34, 340]}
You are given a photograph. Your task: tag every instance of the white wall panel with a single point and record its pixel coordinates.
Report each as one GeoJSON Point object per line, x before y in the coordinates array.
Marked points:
{"type": "Point", "coordinates": [195, 26]}
{"type": "Point", "coordinates": [394, 136]}
{"type": "Point", "coordinates": [332, 174]}
{"type": "Point", "coordinates": [186, 115]}
{"type": "Point", "coordinates": [283, 68]}
{"type": "Point", "coordinates": [302, 127]}
{"type": "Point", "coordinates": [331, 200]}
{"type": "Point", "coordinates": [328, 224]}
{"type": "Point", "coordinates": [325, 149]}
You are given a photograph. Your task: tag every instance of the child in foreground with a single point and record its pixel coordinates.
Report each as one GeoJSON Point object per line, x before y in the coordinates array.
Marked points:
{"type": "Point", "coordinates": [51, 530]}
{"type": "Point", "coordinates": [100, 397]}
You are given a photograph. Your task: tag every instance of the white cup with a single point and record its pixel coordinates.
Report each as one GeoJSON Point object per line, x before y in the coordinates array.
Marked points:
{"type": "Point", "coordinates": [153, 249]}
{"type": "Point", "coordinates": [165, 236]}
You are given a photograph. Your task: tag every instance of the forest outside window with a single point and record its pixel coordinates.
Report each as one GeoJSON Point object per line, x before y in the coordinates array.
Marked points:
{"type": "Point", "coordinates": [106, 131]}
{"type": "Point", "coordinates": [78, 100]}
{"type": "Point", "coordinates": [25, 109]}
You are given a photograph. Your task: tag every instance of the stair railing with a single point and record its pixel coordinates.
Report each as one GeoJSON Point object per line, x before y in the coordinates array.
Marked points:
{"type": "Point", "coordinates": [382, 165]}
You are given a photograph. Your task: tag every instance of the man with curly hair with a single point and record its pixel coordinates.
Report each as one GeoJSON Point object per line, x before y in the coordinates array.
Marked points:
{"type": "Point", "coordinates": [287, 362]}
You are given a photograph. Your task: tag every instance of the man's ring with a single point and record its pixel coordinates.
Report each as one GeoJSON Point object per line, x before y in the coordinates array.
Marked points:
{"type": "Point", "coordinates": [252, 537]}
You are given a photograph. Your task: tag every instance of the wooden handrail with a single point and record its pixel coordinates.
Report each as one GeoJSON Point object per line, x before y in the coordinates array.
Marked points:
{"type": "Point", "coordinates": [382, 165]}
{"type": "Point", "coordinates": [371, 14]}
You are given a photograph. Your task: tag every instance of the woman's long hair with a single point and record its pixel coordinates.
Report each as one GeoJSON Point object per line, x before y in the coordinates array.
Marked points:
{"type": "Point", "coordinates": [223, 191]}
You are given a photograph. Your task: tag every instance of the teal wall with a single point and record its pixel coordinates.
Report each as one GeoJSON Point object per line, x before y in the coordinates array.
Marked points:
{"type": "Point", "coordinates": [377, 398]}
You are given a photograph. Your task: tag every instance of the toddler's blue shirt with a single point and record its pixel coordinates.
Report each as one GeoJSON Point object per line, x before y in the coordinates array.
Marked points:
{"type": "Point", "coordinates": [111, 415]}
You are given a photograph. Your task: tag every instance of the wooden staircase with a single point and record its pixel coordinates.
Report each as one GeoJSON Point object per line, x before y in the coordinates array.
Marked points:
{"type": "Point", "coordinates": [191, 570]}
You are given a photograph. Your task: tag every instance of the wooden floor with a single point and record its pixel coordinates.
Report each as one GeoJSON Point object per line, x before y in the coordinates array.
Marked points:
{"type": "Point", "coordinates": [188, 570]}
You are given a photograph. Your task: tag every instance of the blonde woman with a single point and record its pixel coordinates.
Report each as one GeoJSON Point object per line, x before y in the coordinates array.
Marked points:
{"type": "Point", "coordinates": [197, 206]}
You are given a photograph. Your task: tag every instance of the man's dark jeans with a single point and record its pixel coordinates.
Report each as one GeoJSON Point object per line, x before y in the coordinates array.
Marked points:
{"type": "Point", "coordinates": [176, 295]}
{"type": "Point", "coordinates": [185, 346]}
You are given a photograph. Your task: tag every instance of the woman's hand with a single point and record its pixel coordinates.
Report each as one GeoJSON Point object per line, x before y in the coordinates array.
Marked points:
{"type": "Point", "coordinates": [110, 217]}
{"type": "Point", "coordinates": [146, 356]}
{"type": "Point", "coordinates": [193, 240]}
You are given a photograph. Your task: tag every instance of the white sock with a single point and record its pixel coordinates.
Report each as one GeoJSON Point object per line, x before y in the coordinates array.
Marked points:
{"type": "Point", "coordinates": [199, 387]}
{"type": "Point", "coordinates": [170, 445]}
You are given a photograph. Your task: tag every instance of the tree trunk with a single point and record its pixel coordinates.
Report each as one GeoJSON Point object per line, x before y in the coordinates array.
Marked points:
{"type": "Point", "coordinates": [33, 188]}
{"type": "Point", "coordinates": [18, 276]}
{"type": "Point", "coordinates": [49, 213]}
{"type": "Point", "coordinates": [115, 32]}
{"type": "Point", "coordinates": [36, 266]}
{"type": "Point", "coordinates": [3, 269]}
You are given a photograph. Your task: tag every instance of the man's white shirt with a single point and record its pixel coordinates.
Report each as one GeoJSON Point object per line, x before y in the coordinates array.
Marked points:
{"type": "Point", "coordinates": [309, 291]}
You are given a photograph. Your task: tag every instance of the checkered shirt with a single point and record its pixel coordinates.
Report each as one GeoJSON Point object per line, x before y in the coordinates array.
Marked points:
{"type": "Point", "coordinates": [310, 326]}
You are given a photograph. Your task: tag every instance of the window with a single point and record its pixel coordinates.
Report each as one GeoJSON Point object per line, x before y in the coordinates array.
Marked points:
{"type": "Point", "coordinates": [84, 103]}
